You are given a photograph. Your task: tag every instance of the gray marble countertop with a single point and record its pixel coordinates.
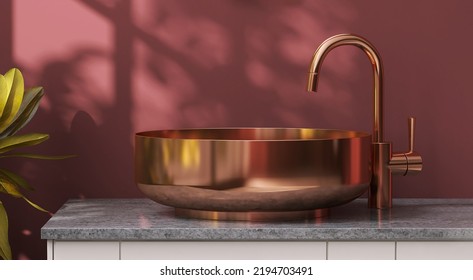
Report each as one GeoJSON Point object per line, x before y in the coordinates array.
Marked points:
{"type": "Point", "coordinates": [143, 219]}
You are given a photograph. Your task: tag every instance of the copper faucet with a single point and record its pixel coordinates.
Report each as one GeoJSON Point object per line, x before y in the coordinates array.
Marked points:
{"type": "Point", "coordinates": [384, 161]}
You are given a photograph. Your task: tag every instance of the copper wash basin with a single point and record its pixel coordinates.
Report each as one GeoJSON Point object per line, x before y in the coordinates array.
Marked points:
{"type": "Point", "coordinates": [252, 173]}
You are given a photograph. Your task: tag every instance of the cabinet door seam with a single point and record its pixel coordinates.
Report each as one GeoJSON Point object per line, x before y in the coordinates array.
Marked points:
{"type": "Point", "coordinates": [52, 248]}
{"type": "Point", "coordinates": [395, 250]}
{"type": "Point", "coordinates": [119, 250]}
{"type": "Point", "coordinates": [326, 250]}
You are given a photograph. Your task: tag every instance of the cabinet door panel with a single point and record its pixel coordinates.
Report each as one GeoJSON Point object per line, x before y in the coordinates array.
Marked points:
{"type": "Point", "coordinates": [194, 250]}
{"type": "Point", "coordinates": [361, 250]}
{"type": "Point", "coordinates": [86, 250]}
{"type": "Point", "coordinates": [441, 250]}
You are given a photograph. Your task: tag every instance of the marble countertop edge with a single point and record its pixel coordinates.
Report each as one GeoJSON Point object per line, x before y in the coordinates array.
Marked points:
{"type": "Point", "coordinates": [261, 235]}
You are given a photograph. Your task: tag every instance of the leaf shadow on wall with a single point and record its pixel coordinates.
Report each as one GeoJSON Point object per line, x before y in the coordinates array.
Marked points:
{"type": "Point", "coordinates": [82, 119]}
{"type": "Point", "coordinates": [233, 63]}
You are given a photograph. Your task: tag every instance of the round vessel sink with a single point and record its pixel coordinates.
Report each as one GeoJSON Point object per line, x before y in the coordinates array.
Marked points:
{"type": "Point", "coordinates": [252, 173]}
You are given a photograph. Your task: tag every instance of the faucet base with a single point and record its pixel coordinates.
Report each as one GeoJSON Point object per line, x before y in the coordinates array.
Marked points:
{"type": "Point", "coordinates": [380, 191]}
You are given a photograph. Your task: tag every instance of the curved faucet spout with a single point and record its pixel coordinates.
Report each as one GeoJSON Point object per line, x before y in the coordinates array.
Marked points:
{"type": "Point", "coordinates": [383, 162]}
{"type": "Point", "coordinates": [375, 59]}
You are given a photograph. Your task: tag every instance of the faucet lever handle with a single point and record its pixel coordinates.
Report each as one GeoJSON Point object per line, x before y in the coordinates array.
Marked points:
{"type": "Point", "coordinates": [412, 159]}
{"type": "Point", "coordinates": [409, 162]}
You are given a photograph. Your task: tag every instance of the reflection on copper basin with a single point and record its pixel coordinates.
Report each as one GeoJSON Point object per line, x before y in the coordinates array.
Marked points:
{"type": "Point", "coordinates": [252, 173]}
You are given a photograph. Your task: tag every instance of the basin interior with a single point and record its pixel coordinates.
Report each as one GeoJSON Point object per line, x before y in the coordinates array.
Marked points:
{"type": "Point", "coordinates": [254, 134]}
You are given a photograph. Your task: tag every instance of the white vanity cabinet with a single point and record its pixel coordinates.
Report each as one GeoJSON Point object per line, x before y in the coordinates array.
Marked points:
{"type": "Point", "coordinates": [400, 250]}
{"type": "Point", "coordinates": [139, 229]}
{"type": "Point", "coordinates": [241, 250]}
{"type": "Point", "coordinates": [222, 250]}
{"type": "Point", "coordinates": [361, 250]}
{"type": "Point", "coordinates": [432, 250]}
{"type": "Point", "coordinates": [83, 250]}
{"type": "Point", "coordinates": [186, 250]}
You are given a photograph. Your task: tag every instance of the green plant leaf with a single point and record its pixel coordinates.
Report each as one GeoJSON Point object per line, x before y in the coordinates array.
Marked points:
{"type": "Point", "coordinates": [5, 250]}
{"type": "Point", "coordinates": [35, 156]}
{"type": "Point", "coordinates": [17, 179]}
{"type": "Point", "coordinates": [9, 187]}
{"type": "Point", "coordinates": [35, 205]}
{"type": "Point", "coordinates": [4, 93]}
{"type": "Point", "coordinates": [27, 110]}
{"type": "Point", "coordinates": [16, 141]}
{"type": "Point", "coordinates": [16, 89]}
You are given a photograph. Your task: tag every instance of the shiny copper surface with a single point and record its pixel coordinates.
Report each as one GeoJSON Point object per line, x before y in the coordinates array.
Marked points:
{"type": "Point", "coordinates": [376, 63]}
{"type": "Point", "coordinates": [266, 216]}
{"type": "Point", "coordinates": [252, 169]}
{"type": "Point", "coordinates": [384, 162]}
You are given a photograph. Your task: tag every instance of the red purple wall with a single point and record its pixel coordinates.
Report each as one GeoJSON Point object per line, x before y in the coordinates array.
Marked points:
{"type": "Point", "coordinates": [111, 68]}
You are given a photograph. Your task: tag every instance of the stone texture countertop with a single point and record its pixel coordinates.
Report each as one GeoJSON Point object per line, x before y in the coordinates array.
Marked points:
{"type": "Point", "coordinates": [143, 219]}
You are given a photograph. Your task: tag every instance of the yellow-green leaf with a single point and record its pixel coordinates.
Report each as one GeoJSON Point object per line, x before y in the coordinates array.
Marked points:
{"type": "Point", "coordinates": [5, 250]}
{"type": "Point", "coordinates": [16, 89]}
{"type": "Point", "coordinates": [27, 110]}
{"type": "Point", "coordinates": [16, 141]}
{"type": "Point", "coordinates": [4, 92]}
{"type": "Point", "coordinates": [35, 205]}
{"type": "Point", "coordinates": [17, 179]}
{"type": "Point", "coordinates": [8, 187]}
